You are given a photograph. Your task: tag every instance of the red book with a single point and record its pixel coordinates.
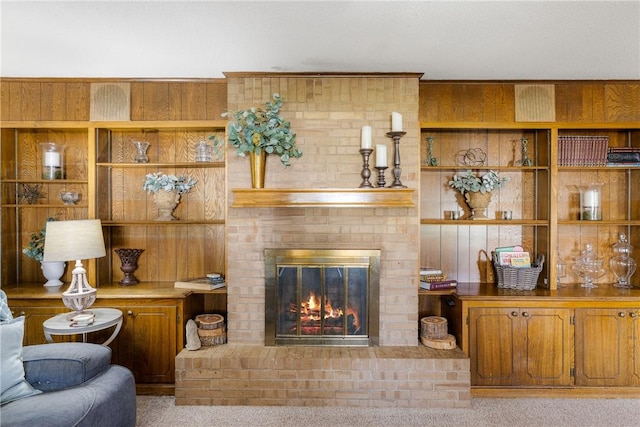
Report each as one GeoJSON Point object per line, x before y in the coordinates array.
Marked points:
{"type": "Point", "coordinates": [434, 286]}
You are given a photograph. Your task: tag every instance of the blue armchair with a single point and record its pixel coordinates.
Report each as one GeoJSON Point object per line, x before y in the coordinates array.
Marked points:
{"type": "Point", "coordinates": [79, 387]}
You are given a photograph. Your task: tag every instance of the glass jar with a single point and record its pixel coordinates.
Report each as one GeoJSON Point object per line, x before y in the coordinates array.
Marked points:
{"type": "Point", "coordinates": [203, 152]}
{"type": "Point", "coordinates": [591, 201]}
{"type": "Point", "coordinates": [622, 265]}
{"type": "Point", "coordinates": [52, 160]}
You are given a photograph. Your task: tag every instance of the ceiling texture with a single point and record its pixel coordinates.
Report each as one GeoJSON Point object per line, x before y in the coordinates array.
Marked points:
{"type": "Point", "coordinates": [444, 40]}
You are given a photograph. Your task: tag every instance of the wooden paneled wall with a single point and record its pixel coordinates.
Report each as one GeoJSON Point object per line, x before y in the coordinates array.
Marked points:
{"type": "Point", "coordinates": [69, 99]}
{"type": "Point", "coordinates": [580, 102]}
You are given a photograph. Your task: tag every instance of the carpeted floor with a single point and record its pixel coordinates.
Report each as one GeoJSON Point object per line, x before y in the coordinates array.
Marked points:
{"type": "Point", "coordinates": [162, 412]}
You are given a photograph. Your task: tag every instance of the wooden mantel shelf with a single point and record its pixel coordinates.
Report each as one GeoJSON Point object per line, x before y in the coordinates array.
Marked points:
{"type": "Point", "coordinates": [325, 197]}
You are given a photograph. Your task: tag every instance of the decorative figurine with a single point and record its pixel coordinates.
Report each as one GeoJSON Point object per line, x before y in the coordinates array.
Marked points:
{"type": "Point", "coordinates": [431, 161]}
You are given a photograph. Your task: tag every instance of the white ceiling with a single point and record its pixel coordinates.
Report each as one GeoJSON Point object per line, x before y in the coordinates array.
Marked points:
{"type": "Point", "coordinates": [445, 40]}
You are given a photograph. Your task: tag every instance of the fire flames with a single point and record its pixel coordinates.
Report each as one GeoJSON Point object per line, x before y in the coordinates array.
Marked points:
{"type": "Point", "coordinates": [310, 311]}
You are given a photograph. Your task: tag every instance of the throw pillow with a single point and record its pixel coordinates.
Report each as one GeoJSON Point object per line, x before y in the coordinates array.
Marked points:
{"type": "Point", "coordinates": [5, 313]}
{"type": "Point", "coordinates": [12, 382]}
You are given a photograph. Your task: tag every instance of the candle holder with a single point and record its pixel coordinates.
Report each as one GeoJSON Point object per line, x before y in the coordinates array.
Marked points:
{"type": "Point", "coordinates": [52, 160]}
{"type": "Point", "coordinates": [381, 169]}
{"type": "Point", "coordinates": [396, 158]}
{"type": "Point", "coordinates": [366, 173]}
{"type": "Point", "coordinates": [590, 201]}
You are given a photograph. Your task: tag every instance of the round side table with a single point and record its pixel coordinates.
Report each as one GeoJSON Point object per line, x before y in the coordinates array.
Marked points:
{"type": "Point", "coordinates": [104, 319]}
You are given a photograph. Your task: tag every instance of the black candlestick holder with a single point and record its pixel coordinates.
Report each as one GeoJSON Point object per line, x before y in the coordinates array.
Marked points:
{"type": "Point", "coordinates": [396, 135]}
{"type": "Point", "coordinates": [381, 169]}
{"type": "Point", "coordinates": [366, 173]}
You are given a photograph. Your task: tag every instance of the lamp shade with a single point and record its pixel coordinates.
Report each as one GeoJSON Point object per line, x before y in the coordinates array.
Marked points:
{"type": "Point", "coordinates": [73, 240]}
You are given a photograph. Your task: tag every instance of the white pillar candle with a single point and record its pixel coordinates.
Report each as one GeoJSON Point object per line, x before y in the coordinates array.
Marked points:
{"type": "Point", "coordinates": [365, 137]}
{"type": "Point", "coordinates": [396, 122]}
{"type": "Point", "coordinates": [591, 198]}
{"type": "Point", "coordinates": [381, 156]}
{"type": "Point", "coordinates": [51, 159]}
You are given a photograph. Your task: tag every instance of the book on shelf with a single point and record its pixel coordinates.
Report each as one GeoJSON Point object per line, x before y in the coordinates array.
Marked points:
{"type": "Point", "coordinates": [623, 165]}
{"type": "Point", "coordinates": [624, 157]}
{"type": "Point", "coordinates": [433, 277]}
{"type": "Point", "coordinates": [581, 150]}
{"type": "Point", "coordinates": [201, 283]}
{"type": "Point", "coordinates": [429, 270]}
{"type": "Point", "coordinates": [434, 286]}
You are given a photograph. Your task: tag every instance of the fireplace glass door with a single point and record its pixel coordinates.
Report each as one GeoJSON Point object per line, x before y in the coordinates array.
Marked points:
{"type": "Point", "coordinates": [320, 301]}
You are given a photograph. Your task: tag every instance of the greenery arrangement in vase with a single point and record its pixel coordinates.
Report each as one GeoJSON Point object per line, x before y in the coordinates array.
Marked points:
{"type": "Point", "coordinates": [259, 131]}
{"type": "Point", "coordinates": [52, 271]}
{"type": "Point", "coordinates": [167, 190]}
{"type": "Point", "coordinates": [477, 189]}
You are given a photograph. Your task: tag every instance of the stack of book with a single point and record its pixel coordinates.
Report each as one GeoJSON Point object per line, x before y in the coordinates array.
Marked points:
{"type": "Point", "coordinates": [513, 256]}
{"type": "Point", "coordinates": [210, 282]}
{"type": "Point", "coordinates": [433, 278]}
{"type": "Point", "coordinates": [581, 150]}
{"type": "Point", "coordinates": [428, 274]}
{"type": "Point", "coordinates": [82, 319]}
{"type": "Point", "coordinates": [623, 156]}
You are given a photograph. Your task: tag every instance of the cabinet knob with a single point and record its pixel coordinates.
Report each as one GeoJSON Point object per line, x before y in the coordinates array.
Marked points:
{"type": "Point", "coordinates": [514, 313]}
{"type": "Point", "coordinates": [632, 314]}
{"type": "Point", "coordinates": [525, 314]}
{"type": "Point", "coordinates": [130, 313]}
{"type": "Point", "coordinates": [621, 314]}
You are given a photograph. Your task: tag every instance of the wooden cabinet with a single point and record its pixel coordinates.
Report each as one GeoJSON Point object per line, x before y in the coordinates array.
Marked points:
{"type": "Point", "coordinates": [608, 346]}
{"type": "Point", "coordinates": [152, 333]}
{"type": "Point", "coordinates": [573, 341]}
{"type": "Point", "coordinates": [520, 346]}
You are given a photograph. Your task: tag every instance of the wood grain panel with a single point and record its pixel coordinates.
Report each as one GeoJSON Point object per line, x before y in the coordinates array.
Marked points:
{"type": "Point", "coordinates": [5, 97]}
{"type": "Point", "coordinates": [53, 101]}
{"type": "Point", "coordinates": [216, 100]}
{"type": "Point", "coordinates": [78, 101]}
{"type": "Point", "coordinates": [622, 102]}
{"type": "Point", "coordinates": [194, 101]}
{"type": "Point", "coordinates": [155, 101]}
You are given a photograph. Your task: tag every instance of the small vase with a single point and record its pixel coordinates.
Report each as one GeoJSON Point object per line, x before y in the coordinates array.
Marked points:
{"type": "Point", "coordinates": [258, 167]}
{"type": "Point", "coordinates": [166, 202]}
{"type": "Point", "coordinates": [53, 271]}
{"type": "Point", "coordinates": [141, 151]}
{"type": "Point", "coordinates": [478, 202]}
{"type": "Point", "coordinates": [129, 264]}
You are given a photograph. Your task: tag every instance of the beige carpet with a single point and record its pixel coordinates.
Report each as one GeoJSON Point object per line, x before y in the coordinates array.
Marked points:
{"type": "Point", "coordinates": [162, 412]}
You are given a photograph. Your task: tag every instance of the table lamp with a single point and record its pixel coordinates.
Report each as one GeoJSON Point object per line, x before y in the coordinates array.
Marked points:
{"type": "Point", "coordinates": [75, 240]}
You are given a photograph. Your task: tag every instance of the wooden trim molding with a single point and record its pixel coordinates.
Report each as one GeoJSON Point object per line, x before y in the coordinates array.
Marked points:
{"type": "Point", "coordinates": [326, 197]}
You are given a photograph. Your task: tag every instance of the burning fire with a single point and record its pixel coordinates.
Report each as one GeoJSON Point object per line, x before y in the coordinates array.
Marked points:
{"type": "Point", "coordinates": [311, 310]}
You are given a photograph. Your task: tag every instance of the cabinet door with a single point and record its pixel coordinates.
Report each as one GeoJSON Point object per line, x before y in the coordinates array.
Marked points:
{"type": "Point", "coordinates": [529, 346]}
{"type": "Point", "coordinates": [606, 346]}
{"type": "Point", "coordinates": [548, 346]}
{"type": "Point", "coordinates": [147, 343]}
{"type": "Point", "coordinates": [34, 317]}
{"type": "Point", "coordinates": [494, 346]}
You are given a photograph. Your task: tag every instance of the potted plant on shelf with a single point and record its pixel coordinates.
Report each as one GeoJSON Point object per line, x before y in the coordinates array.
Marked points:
{"type": "Point", "coordinates": [477, 189]}
{"type": "Point", "coordinates": [261, 132]}
{"type": "Point", "coordinates": [167, 190]}
{"type": "Point", "coordinates": [52, 270]}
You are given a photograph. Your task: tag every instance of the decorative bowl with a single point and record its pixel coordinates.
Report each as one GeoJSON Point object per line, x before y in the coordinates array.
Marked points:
{"type": "Point", "coordinates": [69, 197]}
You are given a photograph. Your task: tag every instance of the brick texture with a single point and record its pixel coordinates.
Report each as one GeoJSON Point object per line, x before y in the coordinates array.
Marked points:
{"type": "Point", "coordinates": [412, 377]}
{"type": "Point", "coordinates": [327, 114]}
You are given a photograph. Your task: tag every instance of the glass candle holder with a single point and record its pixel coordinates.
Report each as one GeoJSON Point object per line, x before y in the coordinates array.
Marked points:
{"type": "Point", "coordinates": [52, 160]}
{"type": "Point", "coordinates": [591, 201]}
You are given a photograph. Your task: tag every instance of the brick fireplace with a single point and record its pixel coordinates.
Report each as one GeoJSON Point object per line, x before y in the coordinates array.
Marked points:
{"type": "Point", "coordinates": [327, 112]}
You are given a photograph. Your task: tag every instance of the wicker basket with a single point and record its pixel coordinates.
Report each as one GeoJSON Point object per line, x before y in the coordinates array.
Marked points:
{"type": "Point", "coordinates": [524, 279]}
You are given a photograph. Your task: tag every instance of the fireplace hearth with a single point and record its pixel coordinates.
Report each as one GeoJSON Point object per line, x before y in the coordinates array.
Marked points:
{"type": "Point", "coordinates": [322, 297]}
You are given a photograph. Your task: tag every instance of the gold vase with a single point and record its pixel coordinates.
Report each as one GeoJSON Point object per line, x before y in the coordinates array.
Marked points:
{"type": "Point", "coordinates": [478, 202]}
{"type": "Point", "coordinates": [258, 167]}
